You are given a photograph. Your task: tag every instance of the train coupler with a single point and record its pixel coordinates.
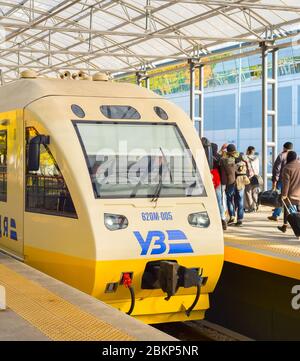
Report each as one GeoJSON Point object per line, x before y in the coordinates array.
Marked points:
{"type": "Point", "coordinates": [170, 276]}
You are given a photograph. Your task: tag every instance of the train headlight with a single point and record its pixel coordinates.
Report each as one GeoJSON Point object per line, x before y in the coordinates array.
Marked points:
{"type": "Point", "coordinates": [200, 219]}
{"type": "Point", "coordinates": [114, 222]}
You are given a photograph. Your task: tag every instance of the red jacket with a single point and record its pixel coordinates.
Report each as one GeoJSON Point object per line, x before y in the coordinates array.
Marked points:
{"type": "Point", "coordinates": [215, 177]}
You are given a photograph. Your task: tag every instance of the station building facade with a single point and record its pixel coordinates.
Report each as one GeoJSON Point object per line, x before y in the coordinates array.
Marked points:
{"type": "Point", "coordinates": [233, 99]}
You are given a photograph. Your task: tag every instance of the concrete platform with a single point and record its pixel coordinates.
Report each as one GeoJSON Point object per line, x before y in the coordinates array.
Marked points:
{"type": "Point", "coordinates": [42, 308]}
{"type": "Point", "coordinates": [260, 245]}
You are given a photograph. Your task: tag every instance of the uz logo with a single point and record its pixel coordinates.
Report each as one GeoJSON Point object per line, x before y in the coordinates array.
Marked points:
{"type": "Point", "coordinates": [171, 242]}
{"type": "Point", "coordinates": [8, 228]}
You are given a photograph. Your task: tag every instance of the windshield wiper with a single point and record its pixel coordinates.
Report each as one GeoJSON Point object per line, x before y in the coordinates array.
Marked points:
{"type": "Point", "coordinates": [160, 182]}
{"type": "Point", "coordinates": [137, 187]}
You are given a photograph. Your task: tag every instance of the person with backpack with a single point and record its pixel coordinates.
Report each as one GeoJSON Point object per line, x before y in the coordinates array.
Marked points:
{"type": "Point", "coordinates": [290, 194]}
{"type": "Point", "coordinates": [234, 175]}
{"type": "Point", "coordinates": [252, 190]}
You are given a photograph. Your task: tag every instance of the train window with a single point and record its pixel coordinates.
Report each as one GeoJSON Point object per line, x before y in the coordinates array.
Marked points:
{"type": "Point", "coordinates": [161, 113]}
{"type": "Point", "coordinates": [119, 112]}
{"type": "Point", "coordinates": [46, 189]}
{"type": "Point", "coordinates": [78, 111]}
{"type": "Point", "coordinates": [139, 160]}
{"type": "Point", "coordinates": [3, 166]}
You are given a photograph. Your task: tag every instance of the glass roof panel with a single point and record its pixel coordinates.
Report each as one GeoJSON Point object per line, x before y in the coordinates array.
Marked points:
{"type": "Point", "coordinates": [141, 29]}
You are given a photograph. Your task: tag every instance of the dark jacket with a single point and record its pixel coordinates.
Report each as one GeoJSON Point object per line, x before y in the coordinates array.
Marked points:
{"type": "Point", "coordinates": [278, 166]}
{"type": "Point", "coordinates": [291, 181]}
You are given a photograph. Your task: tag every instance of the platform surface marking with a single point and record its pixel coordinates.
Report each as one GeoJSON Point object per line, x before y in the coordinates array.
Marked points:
{"type": "Point", "coordinates": [259, 244]}
{"type": "Point", "coordinates": [53, 316]}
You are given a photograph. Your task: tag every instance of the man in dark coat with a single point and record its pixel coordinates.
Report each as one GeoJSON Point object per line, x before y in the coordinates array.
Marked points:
{"type": "Point", "coordinates": [277, 175]}
{"type": "Point", "coordinates": [290, 186]}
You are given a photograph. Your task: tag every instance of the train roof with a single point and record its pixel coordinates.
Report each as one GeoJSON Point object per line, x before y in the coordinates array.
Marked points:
{"type": "Point", "coordinates": [19, 94]}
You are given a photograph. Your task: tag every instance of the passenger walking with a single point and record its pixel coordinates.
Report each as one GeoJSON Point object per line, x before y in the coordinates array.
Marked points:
{"type": "Point", "coordinates": [290, 186]}
{"type": "Point", "coordinates": [217, 183]}
{"type": "Point", "coordinates": [277, 174]}
{"type": "Point", "coordinates": [252, 190]}
{"type": "Point", "coordinates": [234, 176]}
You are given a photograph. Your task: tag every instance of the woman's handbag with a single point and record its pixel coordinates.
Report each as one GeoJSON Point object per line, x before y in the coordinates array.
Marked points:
{"type": "Point", "coordinates": [256, 180]}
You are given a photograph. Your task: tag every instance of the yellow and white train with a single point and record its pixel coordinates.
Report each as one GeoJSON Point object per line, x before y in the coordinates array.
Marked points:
{"type": "Point", "coordinates": [92, 193]}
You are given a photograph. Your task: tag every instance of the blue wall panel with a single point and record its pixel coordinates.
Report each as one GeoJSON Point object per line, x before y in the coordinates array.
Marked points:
{"type": "Point", "coordinates": [219, 112]}
{"type": "Point", "coordinates": [251, 109]}
{"type": "Point", "coordinates": [285, 106]}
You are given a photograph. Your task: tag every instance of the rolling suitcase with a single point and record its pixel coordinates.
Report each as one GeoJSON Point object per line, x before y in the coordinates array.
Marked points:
{"type": "Point", "coordinates": [293, 217]}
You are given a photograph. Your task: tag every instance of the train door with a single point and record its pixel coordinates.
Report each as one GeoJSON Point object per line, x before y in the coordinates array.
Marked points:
{"type": "Point", "coordinates": [11, 183]}
{"type": "Point", "coordinates": [50, 216]}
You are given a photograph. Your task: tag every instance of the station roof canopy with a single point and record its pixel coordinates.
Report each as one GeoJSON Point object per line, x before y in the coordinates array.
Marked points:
{"type": "Point", "coordinates": [131, 35]}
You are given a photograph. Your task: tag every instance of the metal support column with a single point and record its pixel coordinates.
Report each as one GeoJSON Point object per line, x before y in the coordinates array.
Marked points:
{"type": "Point", "coordinates": [197, 119]}
{"type": "Point", "coordinates": [269, 113]}
{"type": "Point", "coordinates": [275, 104]}
{"type": "Point", "coordinates": [142, 76]}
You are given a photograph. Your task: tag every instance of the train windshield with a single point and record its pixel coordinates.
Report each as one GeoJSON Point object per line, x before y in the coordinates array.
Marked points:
{"type": "Point", "coordinates": [139, 160]}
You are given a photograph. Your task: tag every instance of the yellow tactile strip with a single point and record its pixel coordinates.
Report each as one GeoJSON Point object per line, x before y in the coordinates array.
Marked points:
{"type": "Point", "coordinates": [56, 318]}
{"type": "Point", "coordinates": [271, 246]}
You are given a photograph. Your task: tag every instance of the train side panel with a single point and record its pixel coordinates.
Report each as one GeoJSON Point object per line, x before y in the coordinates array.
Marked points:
{"type": "Point", "coordinates": [56, 242]}
{"type": "Point", "coordinates": [12, 183]}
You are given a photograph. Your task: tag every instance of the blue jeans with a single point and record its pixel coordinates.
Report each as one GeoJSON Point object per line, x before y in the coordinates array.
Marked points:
{"type": "Point", "coordinates": [277, 211]}
{"type": "Point", "coordinates": [219, 195]}
{"type": "Point", "coordinates": [235, 200]}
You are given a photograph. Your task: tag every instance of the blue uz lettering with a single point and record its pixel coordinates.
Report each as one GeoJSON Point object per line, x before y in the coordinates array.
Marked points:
{"type": "Point", "coordinates": [159, 240]}
{"type": "Point", "coordinates": [176, 241]}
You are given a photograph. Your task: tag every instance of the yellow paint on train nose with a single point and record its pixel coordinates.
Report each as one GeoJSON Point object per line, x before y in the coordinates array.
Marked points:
{"type": "Point", "coordinates": [92, 277]}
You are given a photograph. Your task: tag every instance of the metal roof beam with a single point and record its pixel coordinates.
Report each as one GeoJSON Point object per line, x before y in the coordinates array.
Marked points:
{"type": "Point", "coordinates": [50, 13]}
{"type": "Point", "coordinates": [263, 29]}
{"type": "Point", "coordinates": [123, 45]}
{"type": "Point", "coordinates": [52, 68]}
{"type": "Point", "coordinates": [87, 53]}
{"type": "Point", "coordinates": [251, 31]}
{"type": "Point", "coordinates": [242, 4]}
{"type": "Point", "coordinates": [176, 27]}
{"type": "Point", "coordinates": [33, 32]}
{"type": "Point", "coordinates": [171, 57]}
{"type": "Point", "coordinates": [14, 7]}
{"type": "Point", "coordinates": [110, 40]}
{"type": "Point", "coordinates": [153, 18]}
{"type": "Point", "coordinates": [145, 36]}
{"type": "Point", "coordinates": [73, 45]}
{"type": "Point", "coordinates": [32, 61]}
{"type": "Point", "coordinates": [75, 22]}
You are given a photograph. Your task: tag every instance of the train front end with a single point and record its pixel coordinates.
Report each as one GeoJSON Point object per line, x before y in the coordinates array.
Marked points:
{"type": "Point", "coordinates": [159, 237]}
{"type": "Point", "coordinates": [145, 234]}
